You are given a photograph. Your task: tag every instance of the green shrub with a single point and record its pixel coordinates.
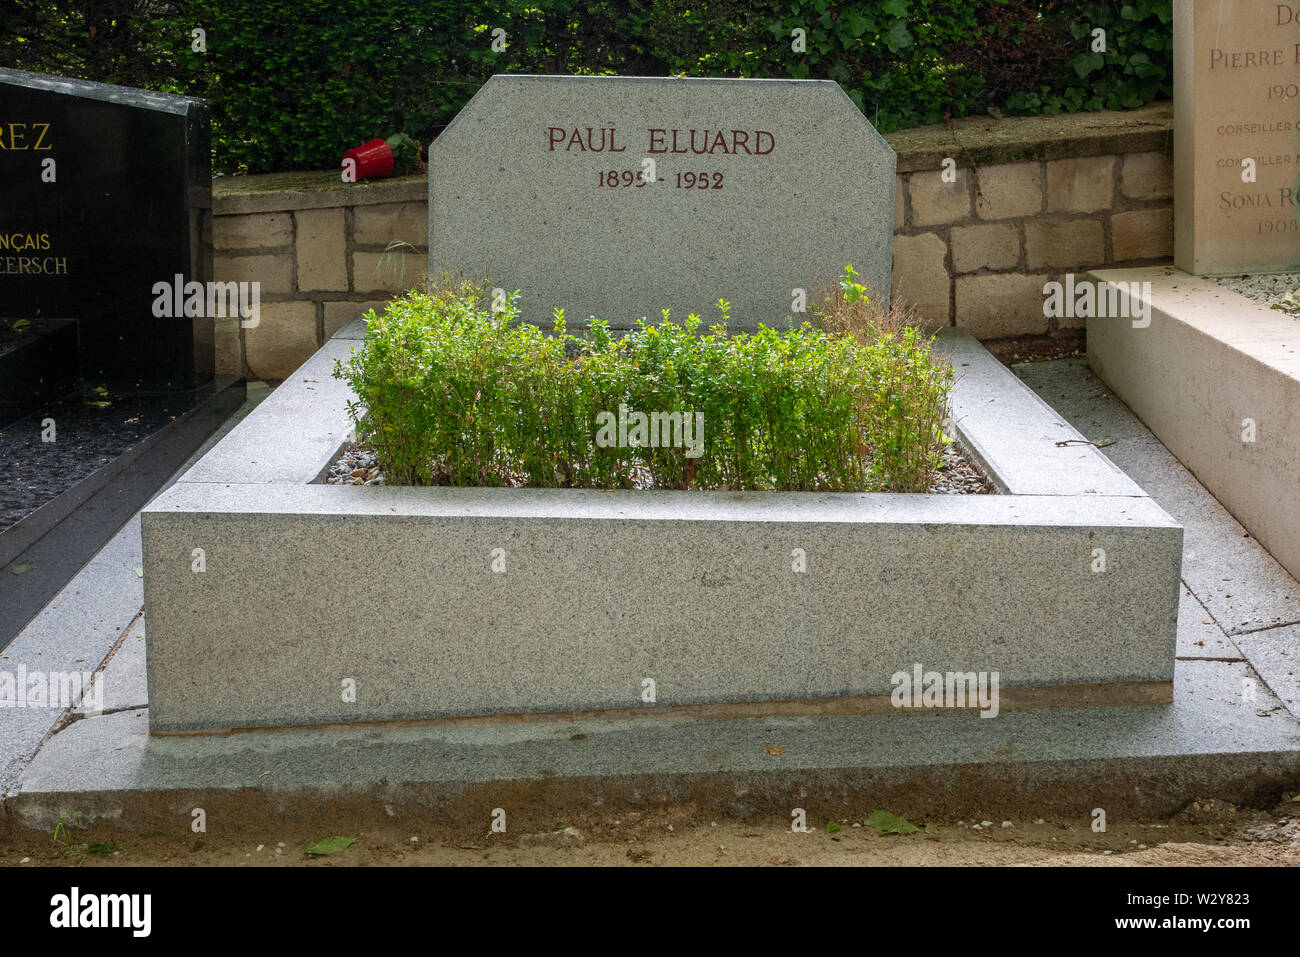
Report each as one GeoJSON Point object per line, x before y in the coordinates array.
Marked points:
{"type": "Point", "coordinates": [451, 392]}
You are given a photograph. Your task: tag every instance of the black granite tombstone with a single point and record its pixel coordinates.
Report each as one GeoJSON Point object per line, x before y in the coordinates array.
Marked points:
{"type": "Point", "coordinates": [105, 193]}
{"type": "Point", "coordinates": [102, 193]}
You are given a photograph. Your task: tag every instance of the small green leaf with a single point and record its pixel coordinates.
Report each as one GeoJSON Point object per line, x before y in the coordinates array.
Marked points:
{"type": "Point", "coordinates": [22, 568]}
{"type": "Point", "coordinates": [329, 845]}
{"type": "Point", "coordinates": [885, 823]}
{"type": "Point", "coordinates": [831, 827]}
{"type": "Point", "coordinates": [896, 37]}
{"type": "Point", "coordinates": [139, 572]}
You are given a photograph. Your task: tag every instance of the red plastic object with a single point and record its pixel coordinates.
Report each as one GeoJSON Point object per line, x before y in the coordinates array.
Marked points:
{"type": "Point", "coordinates": [373, 159]}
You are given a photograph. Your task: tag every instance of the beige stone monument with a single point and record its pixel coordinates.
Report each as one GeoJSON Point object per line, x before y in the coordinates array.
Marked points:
{"type": "Point", "coordinates": [1236, 136]}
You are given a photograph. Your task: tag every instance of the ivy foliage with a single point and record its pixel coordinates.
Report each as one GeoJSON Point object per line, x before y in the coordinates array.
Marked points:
{"type": "Point", "coordinates": [293, 83]}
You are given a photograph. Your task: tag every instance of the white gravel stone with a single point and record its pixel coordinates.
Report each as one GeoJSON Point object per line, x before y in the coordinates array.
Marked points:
{"type": "Point", "coordinates": [1281, 289]}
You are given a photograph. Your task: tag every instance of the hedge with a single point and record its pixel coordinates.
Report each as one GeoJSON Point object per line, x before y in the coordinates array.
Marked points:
{"type": "Point", "coordinates": [452, 391]}
{"type": "Point", "coordinates": [295, 82]}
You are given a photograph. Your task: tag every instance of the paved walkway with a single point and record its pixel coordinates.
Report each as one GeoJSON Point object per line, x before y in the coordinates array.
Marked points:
{"type": "Point", "coordinates": [1237, 603]}
{"type": "Point", "coordinates": [97, 616]}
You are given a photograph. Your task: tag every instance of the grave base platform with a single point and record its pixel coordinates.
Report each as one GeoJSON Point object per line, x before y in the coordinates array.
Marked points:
{"type": "Point", "coordinates": [1148, 760]}
{"type": "Point", "coordinates": [1216, 377]}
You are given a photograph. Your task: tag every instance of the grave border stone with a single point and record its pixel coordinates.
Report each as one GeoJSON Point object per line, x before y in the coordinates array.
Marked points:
{"type": "Point", "coordinates": [253, 505]}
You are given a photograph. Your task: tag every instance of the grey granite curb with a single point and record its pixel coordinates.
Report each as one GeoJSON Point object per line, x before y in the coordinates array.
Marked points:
{"type": "Point", "coordinates": [1130, 761]}
{"type": "Point", "coordinates": [599, 592]}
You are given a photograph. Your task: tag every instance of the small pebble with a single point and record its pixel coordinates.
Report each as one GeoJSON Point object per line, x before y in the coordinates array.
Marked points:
{"type": "Point", "coordinates": [1270, 289]}
{"type": "Point", "coordinates": [1007, 824]}
{"type": "Point", "coordinates": [956, 476]}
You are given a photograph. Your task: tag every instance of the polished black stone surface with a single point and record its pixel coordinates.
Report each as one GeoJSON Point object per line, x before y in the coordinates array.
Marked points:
{"type": "Point", "coordinates": [102, 193]}
{"type": "Point", "coordinates": [38, 360]}
{"type": "Point", "coordinates": [111, 455]}
{"type": "Point", "coordinates": [105, 193]}
{"type": "Point", "coordinates": [85, 433]}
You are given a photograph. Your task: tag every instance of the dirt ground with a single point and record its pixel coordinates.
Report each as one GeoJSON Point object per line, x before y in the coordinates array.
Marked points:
{"type": "Point", "coordinates": [1066, 345]}
{"type": "Point", "coordinates": [1205, 833]}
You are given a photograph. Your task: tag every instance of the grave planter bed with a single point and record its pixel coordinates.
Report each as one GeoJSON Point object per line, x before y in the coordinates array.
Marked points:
{"type": "Point", "coordinates": [275, 600]}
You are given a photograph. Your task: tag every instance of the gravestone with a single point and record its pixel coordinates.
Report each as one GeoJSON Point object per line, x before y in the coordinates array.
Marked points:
{"type": "Point", "coordinates": [757, 189]}
{"type": "Point", "coordinates": [106, 387]}
{"type": "Point", "coordinates": [102, 190]}
{"type": "Point", "coordinates": [1236, 98]}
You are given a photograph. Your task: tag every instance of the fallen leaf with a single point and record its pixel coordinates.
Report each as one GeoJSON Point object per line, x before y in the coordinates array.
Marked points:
{"type": "Point", "coordinates": [885, 823]}
{"type": "Point", "coordinates": [330, 845]}
{"type": "Point", "coordinates": [774, 749]}
{"type": "Point", "coordinates": [22, 568]}
{"type": "Point", "coordinates": [139, 572]}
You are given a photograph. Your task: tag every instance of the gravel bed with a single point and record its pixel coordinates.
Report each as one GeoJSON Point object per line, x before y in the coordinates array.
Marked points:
{"type": "Point", "coordinates": [355, 466]}
{"type": "Point", "coordinates": [957, 476]}
{"type": "Point", "coordinates": [1278, 290]}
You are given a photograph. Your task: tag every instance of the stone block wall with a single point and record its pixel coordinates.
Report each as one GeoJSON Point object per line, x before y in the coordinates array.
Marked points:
{"type": "Point", "coordinates": [1032, 199]}
{"type": "Point", "coordinates": [323, 251]}
{"type": "Point", "coordinates": [977, 252]}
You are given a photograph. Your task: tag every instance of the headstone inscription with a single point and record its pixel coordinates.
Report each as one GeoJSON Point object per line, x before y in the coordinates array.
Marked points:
{"type": "Point", "coordinates": [102, 191]}
{"type": "Point", "coordinates": [1236, 136]}
{"type": "Point", "coordinates": [617, 197]}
